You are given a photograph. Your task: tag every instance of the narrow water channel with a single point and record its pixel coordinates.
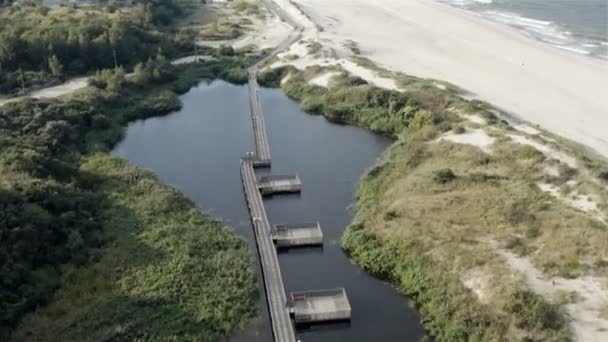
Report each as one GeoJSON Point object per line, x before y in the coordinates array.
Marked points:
{"type": "Point", "coordinates": [197, 151]}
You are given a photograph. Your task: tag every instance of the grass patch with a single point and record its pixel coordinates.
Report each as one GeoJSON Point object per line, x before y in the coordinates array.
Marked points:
{"type": "Point", "coordinates": [167, 271]}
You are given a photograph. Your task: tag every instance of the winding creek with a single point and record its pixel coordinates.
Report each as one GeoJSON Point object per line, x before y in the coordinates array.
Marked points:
{"type": "Point", "coordinates": [197, 150]}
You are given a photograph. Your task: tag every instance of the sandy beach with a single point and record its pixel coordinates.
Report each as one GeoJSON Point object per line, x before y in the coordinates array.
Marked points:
{"type": "Point", "coordinates": [560, 91]}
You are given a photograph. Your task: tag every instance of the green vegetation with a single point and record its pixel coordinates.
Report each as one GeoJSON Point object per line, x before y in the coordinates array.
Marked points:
{"type": "Point", "coordinates": [166, 271]}
{"type": "Point", "coordinates": [352, 100]}
{"type": "Point", "coordinates": [40, 46]}
{"type": "Point", "coordinates": [94, 235]}
{"type": "Point", "coordinates": [247, 7]}
{"type": "Point", "coordinates": [433, 216]}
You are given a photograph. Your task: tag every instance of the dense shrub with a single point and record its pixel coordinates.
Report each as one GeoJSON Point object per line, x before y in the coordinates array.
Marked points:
{"type": "Point", "coordinates": [443, 176]}
{"type": "Point", "coordinates": [37, 48]}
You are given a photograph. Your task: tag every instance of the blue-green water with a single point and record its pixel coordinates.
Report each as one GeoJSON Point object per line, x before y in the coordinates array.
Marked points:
{"type": "Point", "coordinates": [580, 26]}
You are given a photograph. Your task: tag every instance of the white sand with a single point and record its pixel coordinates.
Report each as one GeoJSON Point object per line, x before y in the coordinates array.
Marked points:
{"type": "Point", "coordinates": [475, 137]}
{"type": "Point", "coordinates": [192, 59]}
{"type": "Point", "coordinates": [587, 321]}
{"type": "Point", "coordinates": [54, 91]}
{"type": "Point", "coordinates": [576, 200]}
{"type": "Point", "coordinates": [561, 91]}
{"type": "Point", "coordinates": [62, 89]}
{"type": "Point", "coordinates": [266, 34]}
{"type": "Point", "coordinates": [305, 59]}
{"type": "Point", "coordinates": [262, 33]}
{"type": "Point", "coordinates": [323, 79]}
{"type": "Point", "coordinates": [478, 282]}
{"type": "Point", "coordinates": [477, 119]}
{"type": "Point", "coordinates": [527, 129]}
{"type": "Point", "coordinates": [546, 150]}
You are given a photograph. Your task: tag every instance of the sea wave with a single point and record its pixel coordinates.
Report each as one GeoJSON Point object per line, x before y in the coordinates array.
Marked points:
{"type": "Point", "coordinates": [546, 31]}
{"type": "Point", "coordinates": [549, 32]}
{"type": "Point", "coordinates": [468, 2]}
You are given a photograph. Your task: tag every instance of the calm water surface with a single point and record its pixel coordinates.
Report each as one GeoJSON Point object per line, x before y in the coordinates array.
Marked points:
{"type": "Point", "coordinates": [197, 151]}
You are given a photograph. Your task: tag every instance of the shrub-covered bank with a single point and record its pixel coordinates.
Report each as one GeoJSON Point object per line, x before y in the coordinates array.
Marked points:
{"type": "Point", "coordinates": [435, 218]}
{"type": "Point", "coordinates": [98, 249]}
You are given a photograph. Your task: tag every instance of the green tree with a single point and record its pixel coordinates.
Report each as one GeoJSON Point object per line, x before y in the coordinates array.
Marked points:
{"type": "Point", "coordinates": [7, 48]}
{"type": "Point", "coordinates": [55, 66]}
{"type": "Point", "coordinates": [116, 33]}
{"type": "Point", "coordinates": [141, 75]}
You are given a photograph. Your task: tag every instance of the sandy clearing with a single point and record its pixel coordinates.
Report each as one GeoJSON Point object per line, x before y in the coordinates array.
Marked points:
{"type": "Point", "coordinates": [306, 60]}
{"type": "Point", "coordinates": [577, 200]}
{"type": "Point", "coordinates": [546, 150]}
{"type": "Point", "coordinates": [527, 129]}
{"type": "Point", "coordinates": [323, 79]}
{"type": "Point", "coordinates": [267, 34]}
{"type": "Point", "coordinates": [54, 91]}
{"type": "Point", "coordinates": [477, 281]}
{"type": "Point", "coordinates": [551, 170]}
{"type": "Point", "coordinates": [192, 59]}
{"type": "Point", "coordinates": [475, 137]}
{"type": "Point", "coordinates": [262, 33]}
{"type": "Point", "coordinates": [587, 321]}
{"type": "Point", "coordinates": [330, 54]}
{"type": "Point", "coordinates": [62, 89]}
{"type": "Point", "coordinates": [477, 119]}
{"type": "Point", "coordinates": [558, 90]}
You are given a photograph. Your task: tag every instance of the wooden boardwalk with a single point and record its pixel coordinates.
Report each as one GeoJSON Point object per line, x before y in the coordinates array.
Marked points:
{"type": "Point", "coordinates": [262, 148]}
{"type": "Point", "coordinates": [282, 328]}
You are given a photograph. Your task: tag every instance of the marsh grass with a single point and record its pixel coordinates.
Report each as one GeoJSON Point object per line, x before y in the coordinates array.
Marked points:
{"type": "Point", "coordinates": [131, 259]}
{"type": "Point", "coordinates": [168, 272]}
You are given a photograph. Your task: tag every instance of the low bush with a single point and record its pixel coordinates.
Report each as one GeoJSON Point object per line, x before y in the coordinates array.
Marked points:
{"type": "Point", "coordinates": [443, 176]}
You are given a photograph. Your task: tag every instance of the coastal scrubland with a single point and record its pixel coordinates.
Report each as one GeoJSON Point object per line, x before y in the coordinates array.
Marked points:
{"type": "Point", "coordinates": [41, 46]}
{"type": "Point", "coordinates": [494, 231]}
{"type": "Point", "coordinates": [94, 248]}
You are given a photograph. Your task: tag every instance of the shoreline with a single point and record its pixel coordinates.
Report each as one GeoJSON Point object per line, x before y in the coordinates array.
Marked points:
{"type": "Point", "coordinates": [531, 80]}
{"type": "Point", "coordinates": [553, 33]}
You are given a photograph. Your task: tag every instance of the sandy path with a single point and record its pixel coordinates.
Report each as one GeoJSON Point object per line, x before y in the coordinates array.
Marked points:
{"type": "Point", "coordinates": [54, 91]}
{"type": "Point", "coordinates": [560, 91]}
{"type": "Point", "coordinates": [585, 311]}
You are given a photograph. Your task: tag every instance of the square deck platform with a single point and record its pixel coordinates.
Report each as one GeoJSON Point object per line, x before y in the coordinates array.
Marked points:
{"type": "Point", "coordinates": [296, 235]}
{"type": "Point", "coordinates": [320, 306]}
{"type": "Point", "coordinates": [270, 185]}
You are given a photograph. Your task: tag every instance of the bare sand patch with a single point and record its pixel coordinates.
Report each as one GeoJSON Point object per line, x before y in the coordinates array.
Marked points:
{"type": "Point", "coordinates": [547, 150]}
{"type": "Point", "coordinates": [586, 311]}
{"type": "Point", "coordinates": [475, 137]}
{"type": "Point", "coordinates": [62, 89]}
{"type": "Point", "coordinates": [192, 59]}
{"type": "Point", "coordinates": [477, 281]}
{"type": "Point", "coordinates": [527, 129]}
{"type": "Point", "coordinates": [54, 91]}
{"type": "Point", "coordinates": [577, 200]}
{"type": "Point", "coordinates": [264, 31]}
{"type": "Point", "coordinates": [477, 119]}
{"type": "Point", "coordinates": [323, 79]}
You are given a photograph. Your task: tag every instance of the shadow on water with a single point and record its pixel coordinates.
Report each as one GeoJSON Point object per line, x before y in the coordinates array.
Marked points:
{"type": "Point", "coordinates": [198, 149]}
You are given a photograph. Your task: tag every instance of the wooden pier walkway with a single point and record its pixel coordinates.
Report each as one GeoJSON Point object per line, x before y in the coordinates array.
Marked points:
{"type": "Point", "coordinates": [305, 304]}
{"type": "Point", "coordinates": [262, 148]}
{"type": "Point", "coordinates": [282, 327]}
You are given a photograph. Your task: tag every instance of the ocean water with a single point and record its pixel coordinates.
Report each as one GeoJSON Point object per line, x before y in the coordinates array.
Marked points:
{"type": "Point", "coordinates": [579, 26]}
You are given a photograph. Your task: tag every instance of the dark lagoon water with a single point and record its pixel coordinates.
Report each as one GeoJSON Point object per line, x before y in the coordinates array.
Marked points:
{"type": "Point", "coordinates": [197, 151]}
